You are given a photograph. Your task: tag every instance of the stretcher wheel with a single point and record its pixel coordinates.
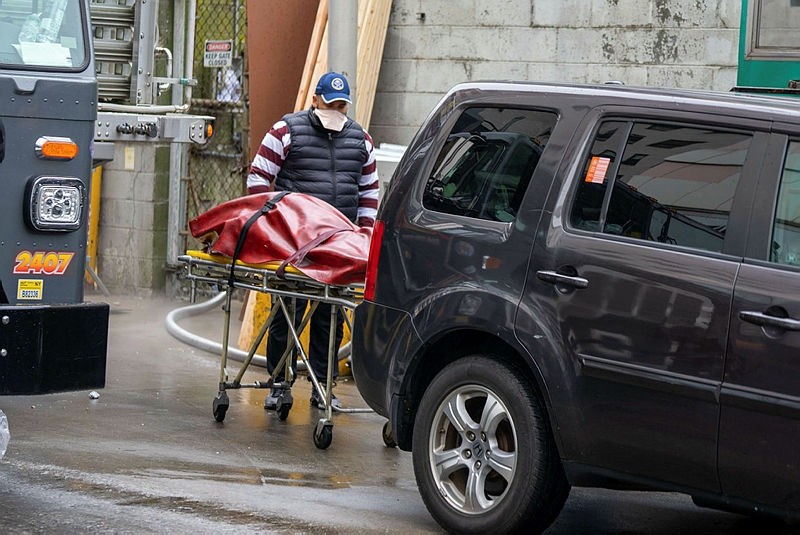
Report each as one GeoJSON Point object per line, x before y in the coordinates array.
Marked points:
{"type": "Point", "coordinates": [284, 404]}
{"type": "Point", "coordinates": [323, 434]}
{"type": "Point", "coordinates": [220, 406]}
{"type": "Point", "coordinates": [283, 410]}
{"type": "Point", "coordinates": [388, 436]}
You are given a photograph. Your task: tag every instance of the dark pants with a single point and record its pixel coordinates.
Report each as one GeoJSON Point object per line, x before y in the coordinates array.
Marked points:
{"type": "Point", "coordinates": [320, 325]}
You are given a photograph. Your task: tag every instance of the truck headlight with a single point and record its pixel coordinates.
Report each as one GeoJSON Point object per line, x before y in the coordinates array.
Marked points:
{"type": "Point", "coordinates": [55, 203]}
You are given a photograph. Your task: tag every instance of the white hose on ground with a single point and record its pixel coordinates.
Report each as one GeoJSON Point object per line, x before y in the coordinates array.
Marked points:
{"type": "Point", "coordinates": [216, 347]}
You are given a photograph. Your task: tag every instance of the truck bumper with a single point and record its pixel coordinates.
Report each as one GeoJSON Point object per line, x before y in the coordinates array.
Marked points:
{"type": "Point", "coordinates": [52, 348]}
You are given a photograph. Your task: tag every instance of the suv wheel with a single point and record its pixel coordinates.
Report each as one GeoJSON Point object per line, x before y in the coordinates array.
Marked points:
{"type": "Point", "coordinates": [484, 458]}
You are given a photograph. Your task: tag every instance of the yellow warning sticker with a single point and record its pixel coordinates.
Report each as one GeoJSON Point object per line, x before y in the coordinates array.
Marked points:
{"type": "Point", "coordinates": [598, 167]}
{"type": "Point", "coordinates": [30, 289]}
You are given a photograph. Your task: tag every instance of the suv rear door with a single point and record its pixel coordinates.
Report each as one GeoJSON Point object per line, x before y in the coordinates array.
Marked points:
{"type": "Point", "coordinates": [760, 417]}
{"type": "Point", "coordinates": [638, 266]}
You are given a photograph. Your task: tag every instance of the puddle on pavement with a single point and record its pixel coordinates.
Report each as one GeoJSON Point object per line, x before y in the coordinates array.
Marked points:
{"type": "Point", "coordinates": [247, 476]}
{"type": "Point", "coordinates": [244, 476]}
{"type": "Point", "coordinates": [212, 511]}
{"type": "Point", "coordinates": [217, 512]}
{"type": "Point", "coordinates": [296, 479]}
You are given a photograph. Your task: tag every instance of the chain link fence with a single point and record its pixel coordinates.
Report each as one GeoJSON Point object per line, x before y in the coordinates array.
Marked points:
{"type": "Point", "coordinates": [217, 171]}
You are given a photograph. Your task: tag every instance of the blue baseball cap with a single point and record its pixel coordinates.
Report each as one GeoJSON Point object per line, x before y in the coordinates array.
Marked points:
{"type": "Point", "coordinates": [333, 86]}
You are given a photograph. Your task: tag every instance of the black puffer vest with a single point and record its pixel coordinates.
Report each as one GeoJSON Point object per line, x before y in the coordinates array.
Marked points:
{"type": "Point", "coordinates": [324, 163]}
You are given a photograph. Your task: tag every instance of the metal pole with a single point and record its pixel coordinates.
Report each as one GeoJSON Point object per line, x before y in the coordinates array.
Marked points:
{"type": "Point", "coordinates": [343, 43]}
{"type": "Point", "coordinates": [175, 204]}
{"type": "Point", "coordinates": [183, 43]}
{"type": "Point", "coordinates": [178, 47]}
{"type": "Point", "coordinates": [236, 28]}
{"type": "Point", "coordinates": [189, 66]}
{"type": "Point", "coordinates": [188, 69]}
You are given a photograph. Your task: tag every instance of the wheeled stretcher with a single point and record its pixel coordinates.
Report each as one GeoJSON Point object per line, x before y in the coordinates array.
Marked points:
{"type": "Point", "coordinates": [291, 246]}
{"type": "Point", "coordinates": [284, 286]}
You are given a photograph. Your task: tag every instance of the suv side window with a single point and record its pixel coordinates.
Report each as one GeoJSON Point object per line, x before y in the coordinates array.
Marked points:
{"type": "Point", "coordinates": [487, 161]}
{"type": "Point", "coordinates": [786, 227]}
{"type": "Point", "coordinates": [673, 184]}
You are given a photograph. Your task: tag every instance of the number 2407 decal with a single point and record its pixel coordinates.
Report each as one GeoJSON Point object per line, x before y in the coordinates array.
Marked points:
{"type": "Point", "coordinates": [48, 263]}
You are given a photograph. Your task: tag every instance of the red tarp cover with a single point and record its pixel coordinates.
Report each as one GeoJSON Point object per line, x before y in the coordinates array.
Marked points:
{"type": "Point", "coordinates": [295, 221]}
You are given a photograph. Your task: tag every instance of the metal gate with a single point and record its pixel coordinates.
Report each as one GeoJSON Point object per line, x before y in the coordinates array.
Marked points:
{"type": "Point", "coordinates": [217, 171]}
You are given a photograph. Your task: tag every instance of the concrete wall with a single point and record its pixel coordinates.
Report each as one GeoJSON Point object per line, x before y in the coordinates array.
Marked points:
{"type": "Point", "coordinates": [131, 250]}
{"type": "Point", "coordinates": [433, 44]}
{"type": "Point", "coordinates": [134, 206]}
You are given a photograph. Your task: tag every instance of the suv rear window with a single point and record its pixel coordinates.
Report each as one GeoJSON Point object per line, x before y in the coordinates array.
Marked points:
{"type": "Point", "coordinates": [674, 183]}
{"type": "Point", "coordinates": [487, 161]}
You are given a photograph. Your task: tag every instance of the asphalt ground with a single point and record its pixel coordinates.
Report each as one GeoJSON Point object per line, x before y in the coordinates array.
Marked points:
{"type": "Point", "coordinates": [148, 455]}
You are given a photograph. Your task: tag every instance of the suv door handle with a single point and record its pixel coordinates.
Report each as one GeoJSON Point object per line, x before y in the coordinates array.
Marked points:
{"type": "Point", "coordinates": [558, 278]}
{"type": "Point", "coordinates": [759, 318]}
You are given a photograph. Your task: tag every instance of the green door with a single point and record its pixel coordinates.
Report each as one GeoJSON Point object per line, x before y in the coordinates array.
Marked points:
{"type": "Point", "coordinates": [769, 51]}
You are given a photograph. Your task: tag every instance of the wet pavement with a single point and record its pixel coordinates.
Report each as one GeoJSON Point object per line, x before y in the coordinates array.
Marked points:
{"type": "Point", "coordinates": [147, 456]}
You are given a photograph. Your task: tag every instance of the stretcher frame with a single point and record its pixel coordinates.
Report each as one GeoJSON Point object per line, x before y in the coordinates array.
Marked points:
{"type": "Point", "coordinates": [284, 289]}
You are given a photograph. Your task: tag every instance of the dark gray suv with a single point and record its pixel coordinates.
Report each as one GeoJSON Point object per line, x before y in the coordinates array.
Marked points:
{"type": "Point", "coordinates": [589, 286]}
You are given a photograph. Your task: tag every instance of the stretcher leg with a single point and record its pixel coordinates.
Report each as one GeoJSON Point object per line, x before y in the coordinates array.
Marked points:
{"type": "Point", "coordinates": [294, 340]}
{"type": "Point", "coordinates": [226, 327]}
{"type": "Point", "coordinates": [253, 348]}
{"type": "Point", "coordinates": [332, 361]}
{"type": "Point", "coordinates": [286, 359]}
{"type": "Point", "coordinates": [221, 402]}
{"type": "Point", "coordinates": [323, 432]}
{"type": "Point", "coordinates": [285, 399]}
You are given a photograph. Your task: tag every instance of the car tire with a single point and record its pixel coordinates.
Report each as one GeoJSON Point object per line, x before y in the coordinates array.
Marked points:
{"type": "Point", "coordinates": [484, 457]}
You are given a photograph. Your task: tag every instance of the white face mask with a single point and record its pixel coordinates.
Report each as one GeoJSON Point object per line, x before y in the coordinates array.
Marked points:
{"type": "Point", "coordinates": [331, 119]}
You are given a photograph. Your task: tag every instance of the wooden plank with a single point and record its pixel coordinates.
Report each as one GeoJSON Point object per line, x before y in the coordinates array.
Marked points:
{"type": "Point", "coordinates": [363, 7]}
{"type": "Point", "coordinates": [373, 23]}
{"type": "Point", "coordinates": [320, 67]}
{"type": "Point", "coordinates": [319, 40]}
{"type": "Point", "coordinates": [371, 40]}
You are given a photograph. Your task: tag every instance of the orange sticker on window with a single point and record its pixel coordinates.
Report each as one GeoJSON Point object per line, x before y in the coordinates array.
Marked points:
{"type": "Point", "coordinates": [598, 167]}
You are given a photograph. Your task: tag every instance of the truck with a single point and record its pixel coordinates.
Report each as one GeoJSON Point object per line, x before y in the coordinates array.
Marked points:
{"type": "Point", "coordinates": [75, 78]}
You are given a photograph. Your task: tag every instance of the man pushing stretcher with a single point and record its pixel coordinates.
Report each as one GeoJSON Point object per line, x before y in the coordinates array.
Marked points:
{"type": "Point", "coordinates": [323, 153]}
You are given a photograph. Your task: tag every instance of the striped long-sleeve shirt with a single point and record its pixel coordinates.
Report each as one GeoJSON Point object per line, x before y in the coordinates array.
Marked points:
{"type": "Point", "coordinates": [276, 148]}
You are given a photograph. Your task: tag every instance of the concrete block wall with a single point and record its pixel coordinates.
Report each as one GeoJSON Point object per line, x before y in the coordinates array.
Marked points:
{"type": "Point", "coordinates": [131, 247]}
{"type": "Point", "coordinates": [433, 44]}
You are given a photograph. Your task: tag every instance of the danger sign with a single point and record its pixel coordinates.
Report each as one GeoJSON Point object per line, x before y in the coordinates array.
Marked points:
{"type": "Point", "coordinates": [218, 54]}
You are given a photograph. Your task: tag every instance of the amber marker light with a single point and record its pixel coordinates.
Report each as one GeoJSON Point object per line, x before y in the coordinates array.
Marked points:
{"type": "Point", "coordinates": [209, 130]}
{"type": "Point", "coordinates": [56, 148]}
